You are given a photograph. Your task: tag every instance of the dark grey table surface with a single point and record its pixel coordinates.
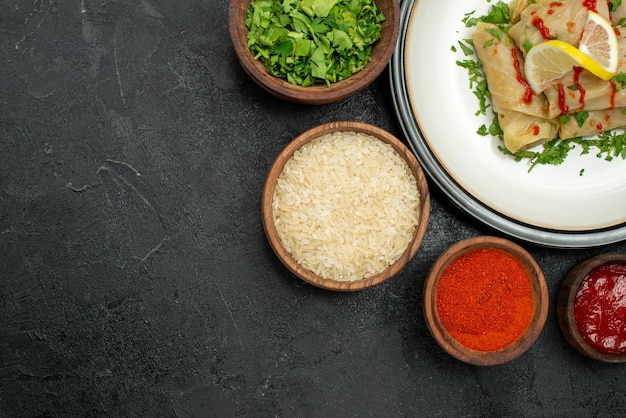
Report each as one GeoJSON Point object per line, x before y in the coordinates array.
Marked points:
{"type": "Point", "coordinates": [135, 276]}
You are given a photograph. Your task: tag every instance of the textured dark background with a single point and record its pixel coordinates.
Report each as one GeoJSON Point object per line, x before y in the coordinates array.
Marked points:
{"type": "Point", "coordinates": [135, 277]}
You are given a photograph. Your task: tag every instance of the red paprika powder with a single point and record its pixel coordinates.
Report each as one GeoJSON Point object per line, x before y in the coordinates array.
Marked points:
{"type": "Point", "coordinates": [484, 299]}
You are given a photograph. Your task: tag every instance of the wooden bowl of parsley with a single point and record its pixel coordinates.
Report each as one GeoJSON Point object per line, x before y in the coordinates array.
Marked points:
{"type": "Point", "coordinates": [314, 51]}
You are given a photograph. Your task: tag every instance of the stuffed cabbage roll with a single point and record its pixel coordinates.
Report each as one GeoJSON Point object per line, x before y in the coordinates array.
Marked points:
{"type": "Point", "coordinates": [516, 7]}
{"type": "Point", "coordinates": [597, 121]}
{"type": "Point", "coordinates": [581, 90]}
{"type": "Point", "coordinates": [549, 19]}
{"type": "Point", "coordinates": [522, 114]}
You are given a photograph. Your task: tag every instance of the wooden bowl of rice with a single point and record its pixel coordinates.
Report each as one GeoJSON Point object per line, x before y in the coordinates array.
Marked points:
{"type": "Point", "coordinates": [345, 206]}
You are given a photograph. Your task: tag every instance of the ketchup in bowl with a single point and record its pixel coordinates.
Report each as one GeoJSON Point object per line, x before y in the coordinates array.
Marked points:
{"type": "Point", "coordinates": [600, 308]}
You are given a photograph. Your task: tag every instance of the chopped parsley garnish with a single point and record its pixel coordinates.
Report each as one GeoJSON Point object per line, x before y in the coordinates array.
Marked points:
{"type": "Point", "coordinates": [581, 117]}
{"type": "Point", "coordinates": [614, 4]}
{"type": "Point", "coordinates": [527, 45]}
{"type": "Point", "coordinates": [607, 145]}
{"type": "Point", "coordinates": [310, 42]}
{"type": "Point", "coordinates": [619, 80]}
{"type": "Point", "coordinates": [498, 14]}
{"type": "Point", "coordinates": [478, 82]}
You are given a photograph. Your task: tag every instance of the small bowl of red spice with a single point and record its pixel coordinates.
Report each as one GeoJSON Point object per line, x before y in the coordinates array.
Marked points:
{"type": "Point", "coordinates": [591, 307]}
{"type": "Point", "coordinates": [485, 300]}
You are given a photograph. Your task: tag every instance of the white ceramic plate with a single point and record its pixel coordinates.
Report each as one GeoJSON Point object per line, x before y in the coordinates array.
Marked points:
{"type": "Point", "coordinates": [555, 206]}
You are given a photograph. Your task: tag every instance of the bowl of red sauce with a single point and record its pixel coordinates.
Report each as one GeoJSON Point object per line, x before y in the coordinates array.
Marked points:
{"type": "Point", "coordinates": [485, 300]}
{"type": "Point", "coordinates": [591, 308]}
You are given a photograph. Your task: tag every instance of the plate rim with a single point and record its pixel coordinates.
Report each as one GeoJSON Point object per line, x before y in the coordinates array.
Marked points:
{"type": "Point", "coordinates": [453, 191]}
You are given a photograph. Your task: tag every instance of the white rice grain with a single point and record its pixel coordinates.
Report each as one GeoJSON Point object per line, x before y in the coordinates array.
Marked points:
{"type": "Point", "coordinates": [346, 206]}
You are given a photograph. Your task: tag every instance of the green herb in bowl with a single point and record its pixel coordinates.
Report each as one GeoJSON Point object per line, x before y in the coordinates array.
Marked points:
{"type": "Point", "coordinates": [307, 42]}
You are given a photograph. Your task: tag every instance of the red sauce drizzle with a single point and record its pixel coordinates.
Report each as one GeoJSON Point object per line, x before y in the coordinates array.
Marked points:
{"type": "Point", "coordinates": [613, 91]}
{"type": "Point", "coordinates": [571, 26]}
{"type": "Point", "coordinates": [528, 94]}
{"type": "Point", "coordinates": [562, 105]}
{"type": "Point", "coordinates": [600, 308]}
{"type": "Point", "coordinates": [607, 120]}
{"type": "Point", "coordinates": [554, 4]}
{"type": "Point", "coordinates": [537, 22]}
{"type": "Point", "coordinates": [581, 90]}
{"type": "Point", "coordinates": [536, 130]}
{"type": "Point", "coordinates": [591, 5]}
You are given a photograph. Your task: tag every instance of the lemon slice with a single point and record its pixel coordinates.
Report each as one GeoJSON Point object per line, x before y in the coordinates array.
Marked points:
{"type": "Point", "coordinates": [551, 60]}
{"type": "Point", "coordinates": [600, 42]}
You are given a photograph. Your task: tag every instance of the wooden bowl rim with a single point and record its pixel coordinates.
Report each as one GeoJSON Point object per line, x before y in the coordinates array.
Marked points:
{"type": "Point", "coordinates": [268, 195]}
{"type": "Point", "coordinates": [316, 94]}
{"type": "Point", "coordinates": [540, 300]}
{"type": "Point", "coordinates": [565, 306]}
